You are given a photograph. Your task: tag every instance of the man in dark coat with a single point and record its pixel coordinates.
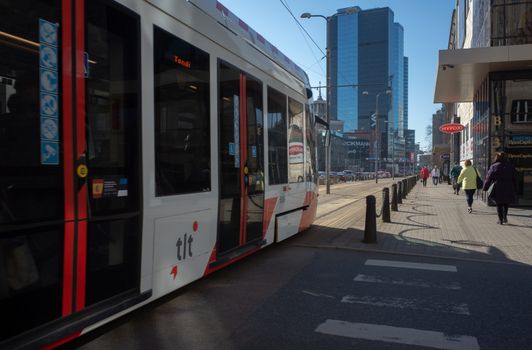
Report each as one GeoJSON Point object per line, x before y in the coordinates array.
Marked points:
{"type": "Point", "coordinates": [503, 176]}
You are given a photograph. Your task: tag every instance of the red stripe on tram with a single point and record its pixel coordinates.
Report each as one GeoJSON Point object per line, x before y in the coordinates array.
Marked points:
{"type": "Point", "coordinates": [243, 160]}
{"type": "Point", "coordinates": [80, 148]}
{"type": "Point", "coordinates": [68, 157]}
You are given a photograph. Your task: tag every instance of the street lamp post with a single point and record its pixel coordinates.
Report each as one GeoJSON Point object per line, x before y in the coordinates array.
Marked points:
{"type": "Point", "coordinates": [376, 145]}
{"type": "Point", "coordinates": [328, 105]}
{"type": "Point", "coordinates": [308, 15]}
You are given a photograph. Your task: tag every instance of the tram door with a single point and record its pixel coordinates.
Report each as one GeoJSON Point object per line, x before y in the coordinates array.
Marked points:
{"type": "Point", "coordinates": [241, 159]}
{"type": "Point", "coordinates": [69, 158]}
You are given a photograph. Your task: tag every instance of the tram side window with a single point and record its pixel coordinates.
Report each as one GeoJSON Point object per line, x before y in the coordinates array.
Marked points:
{"type": "Point", "coordinates": [277, 138]}
{"type": "Point", "coordinates": [296, 171]}
{"type": "Point", "coordinates": [182, 109]}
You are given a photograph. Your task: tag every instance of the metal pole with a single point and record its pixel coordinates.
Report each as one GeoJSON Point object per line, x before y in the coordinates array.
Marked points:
{"type": "Point", "coordinates": [328, 144]}
{"type": "Point", "coordinates": [376, 136]}
{"type": "Point", "coordinates": [393, 154]}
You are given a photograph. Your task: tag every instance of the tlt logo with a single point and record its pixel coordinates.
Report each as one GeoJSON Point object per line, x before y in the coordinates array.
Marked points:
{"type": "Point", "coordinates": [184, 244]}
{"type": "Point", "coordinates": [184, 247]}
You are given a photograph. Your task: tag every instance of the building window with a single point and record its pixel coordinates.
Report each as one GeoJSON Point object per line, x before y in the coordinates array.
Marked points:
{"type": "Point", "coordinates": [521, 111]}
{"type": "Point", "coordinates": [277, 138]}
{"type": "Point", "coordinates": [182, 109]}
{"type": "Point", "coordinates": [296, 171]}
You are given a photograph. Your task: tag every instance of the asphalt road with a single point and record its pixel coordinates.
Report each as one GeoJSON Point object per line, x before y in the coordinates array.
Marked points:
{"type": "Point", "coordinates": [288, 297]}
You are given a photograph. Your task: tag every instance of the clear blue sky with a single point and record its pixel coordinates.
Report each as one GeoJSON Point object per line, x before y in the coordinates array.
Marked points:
{"type": "Point", "coordinates": [426, 23]}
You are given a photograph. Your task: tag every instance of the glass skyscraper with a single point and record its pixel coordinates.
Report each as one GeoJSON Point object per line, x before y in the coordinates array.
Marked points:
{"type": "Point", "coordinates": [344, 70]}
{"type": "Point", "coordinates": [367, 52]}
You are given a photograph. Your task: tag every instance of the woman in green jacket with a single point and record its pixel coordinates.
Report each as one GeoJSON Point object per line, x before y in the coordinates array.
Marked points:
{"type": "Point", "coordinates": [468, 179]}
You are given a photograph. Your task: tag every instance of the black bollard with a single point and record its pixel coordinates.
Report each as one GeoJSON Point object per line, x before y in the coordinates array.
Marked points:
{"type": "Point", "coordinates": [394, 198]}
{"type": "Point", "coordinates": [405, 189]}
{"type": "Point", "coordinates": [399, 192]}
{"type": "Point", "coordinates": [385, 205]}
{"type": "Point", "coordinates": [370, 229]}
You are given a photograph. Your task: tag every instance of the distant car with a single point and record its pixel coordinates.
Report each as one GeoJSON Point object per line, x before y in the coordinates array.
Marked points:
{"type": "Point", "coordinates": [348, 175]}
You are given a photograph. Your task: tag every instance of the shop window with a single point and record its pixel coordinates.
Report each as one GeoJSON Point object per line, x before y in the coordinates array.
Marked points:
{"type": "Point", "coordinates": [182, 109]}
{"type": "Point", "coordinates": [521, 111]}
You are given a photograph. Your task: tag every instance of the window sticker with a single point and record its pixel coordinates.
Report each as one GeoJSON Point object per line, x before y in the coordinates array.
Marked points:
{"type": "Point", "coordinates": [49, 87]}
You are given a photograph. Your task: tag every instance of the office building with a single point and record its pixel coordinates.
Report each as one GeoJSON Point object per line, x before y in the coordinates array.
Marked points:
{"type": "Point", "coordinates": [484, 78]}
{"type": "Point", "coordinates": [367, 58]}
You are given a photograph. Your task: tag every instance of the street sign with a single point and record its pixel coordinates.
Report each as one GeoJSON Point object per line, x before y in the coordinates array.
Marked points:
{"type": "Point", "coordinates": [445, 156]}
{"type": "Point", "coordinates": [373, 123]}
{"type": "Point", "coordinates": [451, 128]}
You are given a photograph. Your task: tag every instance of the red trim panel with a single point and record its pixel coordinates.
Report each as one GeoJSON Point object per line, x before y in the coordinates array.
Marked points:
{"type": "Point", "coordinates": [62, 341]}
{"type": "Point", "coordinates": [80, 148]}
{"type": "Point", "coordinates": [244, 157]}
{"type": "Point", "coordinates": [68, 158]}
{"type": "Point", "coordinates": [68, 268]}
{"type": "Point", "coordinates": [269, 208]}
{"type": "Point", "coordinates": [209, 270]}
{"type": "Point", "coordinates": [81, 265]}
{"type": "Point", "coordinates": [310, 213]}
{"type": "Point", "coordinates": [66, 118]}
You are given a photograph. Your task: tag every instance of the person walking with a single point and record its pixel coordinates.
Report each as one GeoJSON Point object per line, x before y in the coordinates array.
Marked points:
{"type": "Point", "coordinates": [424, 175]}
{"type": "Point", "coordinates": [435, 173]}
{"type": "Point", "coordinates": [503, 176]}
{"type": "Point", "coordinates": [468, 179]}
{"type": "Point", "coordinates": [455, 172]}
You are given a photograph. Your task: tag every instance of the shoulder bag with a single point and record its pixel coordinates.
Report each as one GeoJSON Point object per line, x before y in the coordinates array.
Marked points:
{"type": "Point", "coordinates": [480, 183]}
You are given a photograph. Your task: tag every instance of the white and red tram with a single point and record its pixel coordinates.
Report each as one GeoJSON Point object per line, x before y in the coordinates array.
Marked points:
{"type": "Point", "coordinates": [143, 145]}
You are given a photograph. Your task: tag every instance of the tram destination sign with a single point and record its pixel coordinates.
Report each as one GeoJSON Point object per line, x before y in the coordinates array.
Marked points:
{"type": "Point", "coordinates": [451, 128]}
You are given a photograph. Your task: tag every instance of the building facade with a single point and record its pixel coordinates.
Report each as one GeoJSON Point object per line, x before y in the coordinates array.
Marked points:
{"type": "Point", "coordinates": [493, 96]}
{"type": "Point", "coordinates": [367, 58]}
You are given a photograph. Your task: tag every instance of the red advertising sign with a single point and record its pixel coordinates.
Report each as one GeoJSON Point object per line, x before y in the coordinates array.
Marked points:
{"type": "Point", "coordinates": [451, 128]}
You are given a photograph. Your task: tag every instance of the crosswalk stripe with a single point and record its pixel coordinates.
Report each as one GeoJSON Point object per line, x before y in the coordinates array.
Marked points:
{"type": "Point", "coordinates": [409, 303]}
{"type": "Point", "coordinates": [409, 283]}
{"type": "Point", "coordinates": [410, 265]}
{"type": "Point", "coordinates": [409, 336]}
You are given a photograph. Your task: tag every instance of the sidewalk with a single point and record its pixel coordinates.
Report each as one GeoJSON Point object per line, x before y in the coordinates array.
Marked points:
{"type": "Point", "coordinates": [432, 221]}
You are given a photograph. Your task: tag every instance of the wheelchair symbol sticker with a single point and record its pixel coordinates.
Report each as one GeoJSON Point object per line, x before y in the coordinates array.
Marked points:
{"type": "Point", "coordinates": [48, 81]}
{"type": "Point", "coordinates": [49, 105]}
{"type": "Point", "coordinates": [48, 57]}
{"type": "Point", "coordinates": [49, 153]}
{"type": "Point", "coordinates": [47, 32]}
{"type": "Point", "coordinates": [49, 129]}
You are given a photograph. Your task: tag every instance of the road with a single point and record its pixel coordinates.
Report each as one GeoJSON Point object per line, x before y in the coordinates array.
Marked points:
{"type": "Point", "coordinates": [293, 297]}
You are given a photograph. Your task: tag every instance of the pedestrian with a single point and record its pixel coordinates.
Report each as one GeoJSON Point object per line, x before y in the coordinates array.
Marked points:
{"type": "Point", "coordinates": [468, 179]}
{"type": "Point", "coordinates": [455, 172]}
{"type": "Point", "coordinates": [424, 175]}
{"type": "Point", "coordinates": [503, 176]}
{"type": "Point", "coordinates": [435, 173]}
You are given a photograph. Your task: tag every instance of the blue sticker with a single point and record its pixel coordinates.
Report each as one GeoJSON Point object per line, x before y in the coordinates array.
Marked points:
{"type": "Point", "coordinates": [49, 105]}
{"type": "Point", "coordinates": [122, 181]}
{"type": "Point", "coordinates": [231, 148]}
{"type": "Point", "coordinates": [49, 129]}
{"type": "Point", "coordinates": [48, 81]}
{"type": "Point", "coordinates": [48, 57]}
{"type": "Point", "coordinates": [49, 153]}
{"type": "Point", "coordinates": [47, 32]}
{"type": "Point", "coordinates": [254, 151]}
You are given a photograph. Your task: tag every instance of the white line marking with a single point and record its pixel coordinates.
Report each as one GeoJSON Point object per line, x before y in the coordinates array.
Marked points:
{"type": "Point", "coordinates": [412, 304]}
{"type": "Point", "coordinates": [410, 265]}
{"type": "Point", "coordinates": [318, 294]}
{"type": "Point", "coordinates": [410, 336]}
{"type": "Point", "coordinates": [410, 283]}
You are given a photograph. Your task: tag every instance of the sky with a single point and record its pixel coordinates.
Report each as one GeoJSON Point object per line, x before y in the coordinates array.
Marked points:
{"type": "Point", "coordinates": [426, 25]}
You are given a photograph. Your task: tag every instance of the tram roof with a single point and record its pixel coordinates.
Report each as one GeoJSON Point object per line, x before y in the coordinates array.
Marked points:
{"type": "Point", "coordinates": [227, 18]}
{"type": "Point", "coordinates": [461, 71]}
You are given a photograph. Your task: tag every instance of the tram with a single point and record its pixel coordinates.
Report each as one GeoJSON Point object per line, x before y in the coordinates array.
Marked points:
{"type": "Point", "coordinates": [143, 145]}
